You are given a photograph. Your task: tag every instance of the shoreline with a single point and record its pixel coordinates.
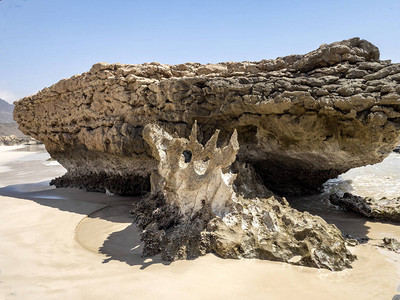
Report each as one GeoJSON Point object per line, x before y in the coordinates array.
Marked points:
{"type": "Point", "coordinates": [49, 239]}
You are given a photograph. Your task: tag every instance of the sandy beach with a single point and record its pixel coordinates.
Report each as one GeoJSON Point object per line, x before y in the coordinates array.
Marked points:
{"type": "Point", "coordinates": [71, 244]}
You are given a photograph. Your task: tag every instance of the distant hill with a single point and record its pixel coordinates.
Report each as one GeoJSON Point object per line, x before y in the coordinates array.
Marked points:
{"type": "Point", "coordinates": [7, 129]}
{"type": "Point", "coordinates": [6, 112]}
{"type": "Point", "coordinates": [7, 125]}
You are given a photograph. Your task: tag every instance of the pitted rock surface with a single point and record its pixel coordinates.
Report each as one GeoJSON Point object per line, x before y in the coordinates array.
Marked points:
{"type": "Point", "coordinates": [300, 119]}
{"type": "Point", "coordinates": [194, 208]}
{"type": "Point", "coordinates": [262, 228]}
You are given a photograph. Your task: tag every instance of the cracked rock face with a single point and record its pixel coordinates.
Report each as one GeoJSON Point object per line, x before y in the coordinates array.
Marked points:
{"type": "Point", "coordinates": [300, 119]}
{"type": "Point", "coordinates": [194, 209]}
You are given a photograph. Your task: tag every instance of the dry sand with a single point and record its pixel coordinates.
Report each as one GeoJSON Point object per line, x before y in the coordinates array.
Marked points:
{"type": "Point", "coordinates": [70, 244]}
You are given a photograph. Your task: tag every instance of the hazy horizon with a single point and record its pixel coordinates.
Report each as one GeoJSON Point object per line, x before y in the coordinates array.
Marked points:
{"type": "Point", "coordinates": [45, 41]}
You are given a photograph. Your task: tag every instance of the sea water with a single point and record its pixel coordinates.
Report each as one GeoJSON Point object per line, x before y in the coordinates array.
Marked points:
{"type": "Point", "coordinates": [376, 181]}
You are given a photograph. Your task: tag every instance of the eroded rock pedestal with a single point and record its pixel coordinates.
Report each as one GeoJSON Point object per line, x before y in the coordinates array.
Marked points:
{"type": "Point", "coordinates": [194, 209]}
{"type": "Point", "coordinates": [300, 119]}
{"type": "Point", "coordinates": [292, 123]}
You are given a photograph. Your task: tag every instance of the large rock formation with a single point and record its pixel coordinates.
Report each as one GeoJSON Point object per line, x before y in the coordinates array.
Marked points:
{"type": "Point", "coordinates": [300, 119]}
{"type": "Point", "coordinates": [194, 208]}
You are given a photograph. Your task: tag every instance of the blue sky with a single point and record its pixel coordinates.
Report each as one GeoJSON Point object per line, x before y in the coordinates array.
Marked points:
{"type": "Point", "coordinates": [43, 41]}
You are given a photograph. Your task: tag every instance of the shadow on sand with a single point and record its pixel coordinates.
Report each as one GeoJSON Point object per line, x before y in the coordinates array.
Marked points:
{"type": "Point", "coordinates": [123, 246]}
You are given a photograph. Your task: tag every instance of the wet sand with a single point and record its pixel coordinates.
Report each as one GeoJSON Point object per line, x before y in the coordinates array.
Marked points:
{"type": "Point", "coordinates": [70, 244]}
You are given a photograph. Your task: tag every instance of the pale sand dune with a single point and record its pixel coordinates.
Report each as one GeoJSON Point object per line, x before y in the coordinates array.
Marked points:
{"type": "Point", "coordinates": [51, 249]}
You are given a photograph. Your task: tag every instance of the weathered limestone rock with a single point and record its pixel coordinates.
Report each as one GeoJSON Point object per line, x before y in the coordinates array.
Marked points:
{"type": "Point", "coordinates": [386, 209]}
{"type": "Point", "coordinates": [300, 119]}
{"type": "Point", "coordinates": [193, 210]}
{"type": "Point", "coordinates": [190, 175]}
{"type": "Point", "coordinates": [391, 244]}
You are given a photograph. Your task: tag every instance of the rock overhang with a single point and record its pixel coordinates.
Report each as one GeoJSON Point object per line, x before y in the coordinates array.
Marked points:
{"type": "Point", "coordinates": [301, 119]}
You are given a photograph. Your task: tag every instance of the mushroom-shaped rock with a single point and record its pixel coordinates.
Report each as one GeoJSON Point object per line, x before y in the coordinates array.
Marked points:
{"type": "Point", "coordinates": [300, 119]}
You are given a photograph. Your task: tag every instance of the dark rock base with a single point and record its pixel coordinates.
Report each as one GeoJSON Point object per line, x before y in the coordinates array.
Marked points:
{"type": "Point", "coordinates": [103, 182]}
{"type": "Point", "coordinates": [384, 209]}
{"type": "Point", "coordinates": [265, 229]}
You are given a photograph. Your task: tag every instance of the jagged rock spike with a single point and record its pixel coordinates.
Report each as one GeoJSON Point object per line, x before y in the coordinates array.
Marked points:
{"type": "Point", "coordinates": [211, 144]}
{"type": "Point", "coordinates": [193, 133]}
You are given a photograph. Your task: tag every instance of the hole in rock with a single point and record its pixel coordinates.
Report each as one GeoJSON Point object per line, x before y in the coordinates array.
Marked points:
{"type": "Point", "coordinates": [188, 156]}
{"type": "Point", "coordinates": [200, 166]}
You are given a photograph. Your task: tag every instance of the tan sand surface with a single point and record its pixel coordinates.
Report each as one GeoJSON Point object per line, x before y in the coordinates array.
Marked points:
{"type": "Point", "coordinates": [70, 244]}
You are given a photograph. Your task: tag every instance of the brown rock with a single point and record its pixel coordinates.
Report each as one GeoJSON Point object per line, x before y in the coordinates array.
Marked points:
{"type": "Point", "coordinates": [391, 244]}
{"type": "Point", "coordinates": [300, 119]}
{"type": "Point", "coordinates": [194, 209]}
